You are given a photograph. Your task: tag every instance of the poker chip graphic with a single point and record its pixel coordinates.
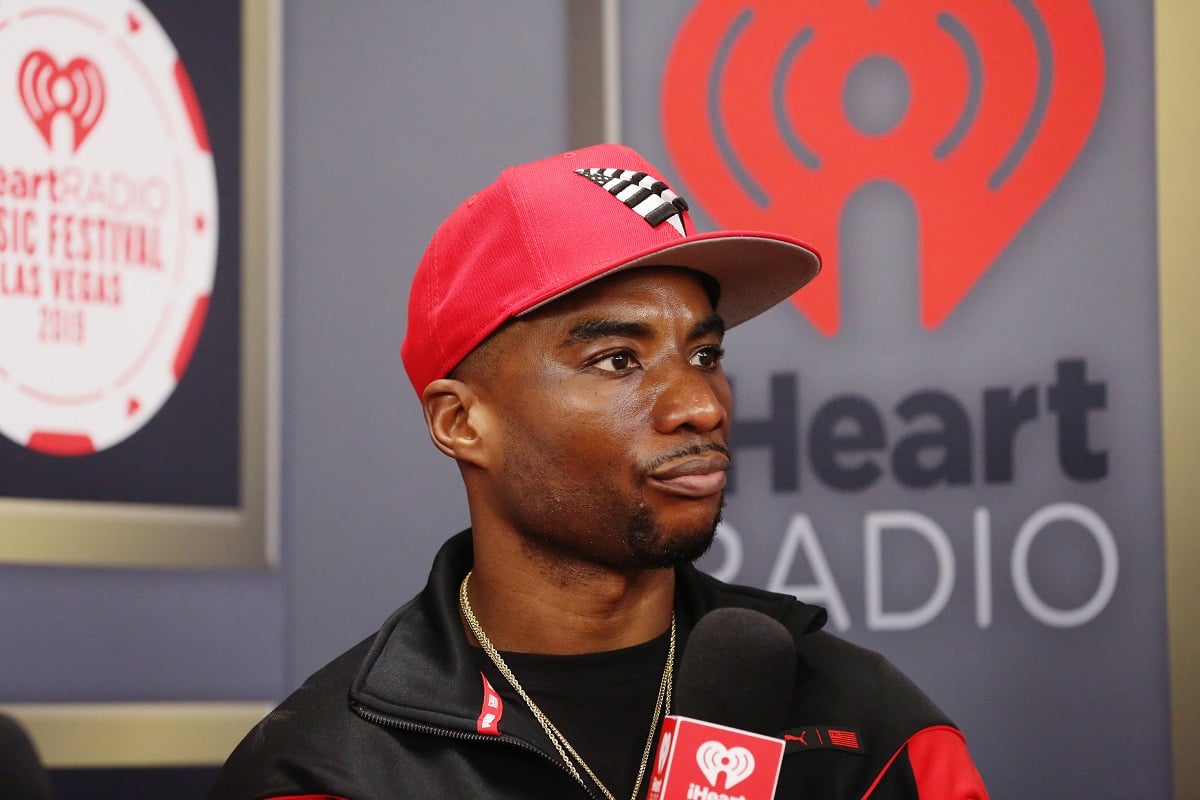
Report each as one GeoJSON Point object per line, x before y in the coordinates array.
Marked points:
{"type": "Point", "coordinates": [108, 222]}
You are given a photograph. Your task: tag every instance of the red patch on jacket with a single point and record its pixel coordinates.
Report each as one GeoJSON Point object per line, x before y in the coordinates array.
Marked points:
{"type": "Point", "coordinates": [488, 722]}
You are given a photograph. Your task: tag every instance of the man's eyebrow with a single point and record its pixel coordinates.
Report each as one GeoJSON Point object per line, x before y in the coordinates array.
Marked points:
{"type": "Point", "coordinates": [712, 324]}
{"type": "Point", "coordinates": [591, 329]}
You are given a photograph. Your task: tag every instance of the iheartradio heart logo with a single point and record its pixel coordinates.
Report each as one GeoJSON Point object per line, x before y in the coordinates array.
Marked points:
{"type": "Point", "coordinates": [47, 90]}
{"type": "Point", "coordinates": [775, 114]}
{"type": "Point", "coordinates": [715, 758]}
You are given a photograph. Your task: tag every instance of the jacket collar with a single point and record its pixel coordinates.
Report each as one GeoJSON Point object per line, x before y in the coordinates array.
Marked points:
{"type": "Point", "coordinates": [422, 670]}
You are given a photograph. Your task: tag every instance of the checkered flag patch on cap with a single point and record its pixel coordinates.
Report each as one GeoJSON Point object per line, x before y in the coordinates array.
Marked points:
{"type": "Point", "coordinates": [652, 199]}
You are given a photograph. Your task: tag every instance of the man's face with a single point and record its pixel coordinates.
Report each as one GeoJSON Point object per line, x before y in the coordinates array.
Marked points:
{"type": "Point", "coordinates": [613, 413]}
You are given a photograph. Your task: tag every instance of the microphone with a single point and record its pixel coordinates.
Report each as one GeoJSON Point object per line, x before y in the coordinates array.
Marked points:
{"type": "Point", "coordinates": [733, 690]}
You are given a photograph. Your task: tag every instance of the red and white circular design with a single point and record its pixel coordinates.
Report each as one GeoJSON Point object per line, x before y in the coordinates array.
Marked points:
{"type": "Point", "coordinates": [108, 222]}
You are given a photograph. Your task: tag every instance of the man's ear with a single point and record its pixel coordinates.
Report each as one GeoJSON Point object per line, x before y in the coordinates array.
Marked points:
{"type": "Point", "coordinates": [453, 415]}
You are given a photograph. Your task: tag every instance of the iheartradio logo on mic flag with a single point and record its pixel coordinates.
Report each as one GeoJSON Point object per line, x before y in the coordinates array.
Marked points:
{"type": "Point", "coordinates": [703, 761]}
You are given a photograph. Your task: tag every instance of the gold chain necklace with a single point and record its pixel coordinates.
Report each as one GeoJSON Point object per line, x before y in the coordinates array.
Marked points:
{"type": "Point", "coordinates": [662, 706]}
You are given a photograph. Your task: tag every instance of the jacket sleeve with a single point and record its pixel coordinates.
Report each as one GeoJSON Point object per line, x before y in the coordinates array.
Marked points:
{"type": "Point", "coordinates": [932, 765]}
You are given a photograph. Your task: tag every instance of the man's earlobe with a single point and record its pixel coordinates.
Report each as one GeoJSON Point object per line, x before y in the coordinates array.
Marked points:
{"type": "Point", "coordinates": [448, 405]}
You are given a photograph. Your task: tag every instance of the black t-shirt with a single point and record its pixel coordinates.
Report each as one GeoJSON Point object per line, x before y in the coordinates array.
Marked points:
{"type": "Point", "coordinates": [602, 702]}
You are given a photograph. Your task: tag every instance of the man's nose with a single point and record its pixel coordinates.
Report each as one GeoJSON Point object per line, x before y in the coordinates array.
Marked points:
{"type": "Point", "coordinates": [691, 398]}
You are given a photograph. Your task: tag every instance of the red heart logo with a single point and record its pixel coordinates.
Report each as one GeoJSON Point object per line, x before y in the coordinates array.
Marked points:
{"type": "Point", "coordinates": [46, 90]}
{"type": "Point", "coordinates": [1001, 97]}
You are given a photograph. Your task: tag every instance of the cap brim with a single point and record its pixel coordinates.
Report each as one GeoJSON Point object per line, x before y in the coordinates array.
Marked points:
{"type": "Point", "coordinates": [755, 270]}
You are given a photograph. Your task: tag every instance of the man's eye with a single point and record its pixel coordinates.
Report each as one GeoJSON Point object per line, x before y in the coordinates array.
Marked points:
{"type": "Point", "coordinates": [617, 362]}
{"type": "Point", "coordinates": [708, 357]}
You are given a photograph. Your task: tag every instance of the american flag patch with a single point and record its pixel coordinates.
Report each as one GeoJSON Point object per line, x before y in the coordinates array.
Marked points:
{"type": "Point", "coordinates": [823, 737]}
{"type": "Point", "coordinates": [652, 199]}
{"type": "Point", "coordinates": [847, 739]}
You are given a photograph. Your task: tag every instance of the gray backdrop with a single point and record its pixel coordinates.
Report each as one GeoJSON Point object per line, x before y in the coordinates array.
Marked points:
{"type": "Point", "coordinates": [393, 113]}
{"type": "Point", "coordinates": [1042, 706]}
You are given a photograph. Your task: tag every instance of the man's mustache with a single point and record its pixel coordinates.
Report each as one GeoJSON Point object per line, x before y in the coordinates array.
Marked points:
{"type": "Point", "coordinates": [695, 449]}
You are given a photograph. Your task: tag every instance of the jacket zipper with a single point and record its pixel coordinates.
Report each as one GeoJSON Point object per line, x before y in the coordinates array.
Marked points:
{"type": "Point", "coordinates": [391, 722]}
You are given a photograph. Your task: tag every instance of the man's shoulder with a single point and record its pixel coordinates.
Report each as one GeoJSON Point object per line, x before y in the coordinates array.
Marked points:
{"type": "Point", "coordinates": [319, 703]}
{"type": "Point", "coordinates": [862, 677]}
{"type": "Point", "coordinates": [834, 676]}
{"type": "Point", "coordinates": [308, 732]}
{"type": "Point", "coordinates": [700, 593]}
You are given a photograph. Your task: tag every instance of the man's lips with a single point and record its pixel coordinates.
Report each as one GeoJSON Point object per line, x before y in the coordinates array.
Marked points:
{"type": "Point", "coordinates": [693, 476]}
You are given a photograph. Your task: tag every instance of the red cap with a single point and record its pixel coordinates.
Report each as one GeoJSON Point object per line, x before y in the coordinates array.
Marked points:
{"type": "Point", "coordinates": [548, 227]}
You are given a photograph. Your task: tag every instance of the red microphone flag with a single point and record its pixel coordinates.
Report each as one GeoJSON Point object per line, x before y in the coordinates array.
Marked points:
{"type": "Point", "coordinates": [703, 761]}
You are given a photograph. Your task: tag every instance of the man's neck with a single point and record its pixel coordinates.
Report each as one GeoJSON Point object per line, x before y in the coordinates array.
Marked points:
{"type": "Point", "coordinates": [556, 608]}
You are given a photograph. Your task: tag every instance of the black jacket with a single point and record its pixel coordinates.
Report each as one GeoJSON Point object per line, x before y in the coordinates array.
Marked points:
{"type": "Point", "coordinates": [395, 717]}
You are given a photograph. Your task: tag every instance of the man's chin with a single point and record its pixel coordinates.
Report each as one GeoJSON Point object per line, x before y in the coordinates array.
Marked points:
{"type": "Point", "coordinates": [659, 550]}
{"type": "Point", "coordinates": [656, 541]}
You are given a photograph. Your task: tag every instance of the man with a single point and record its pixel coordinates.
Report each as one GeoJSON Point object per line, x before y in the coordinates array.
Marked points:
{"type": "Point", "coordinates": [564, 336]}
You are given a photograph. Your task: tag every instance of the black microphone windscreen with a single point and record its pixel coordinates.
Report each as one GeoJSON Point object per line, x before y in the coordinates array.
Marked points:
{"type": "Point", "coordinates": [738, 669]}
